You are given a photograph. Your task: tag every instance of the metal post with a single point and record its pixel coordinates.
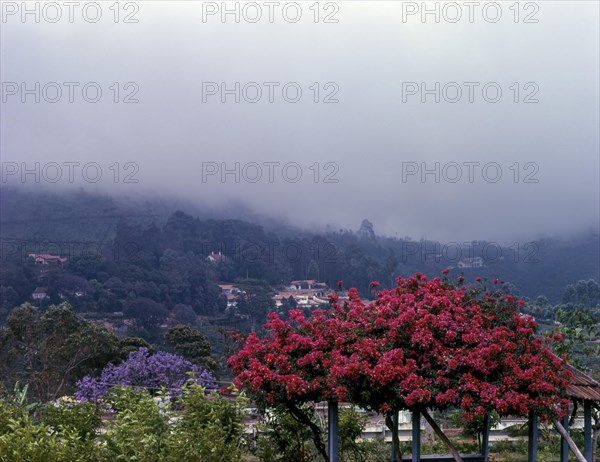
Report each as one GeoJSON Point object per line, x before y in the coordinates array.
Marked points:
{"type": "Point", "coordinates": [485, 438]}
{"type": "Point", "coordinates": [533, 437]}
{"type": "Point", "coordinates": [564, 447]}
{"type": "Point", "coordinates": [332, 413]}
{"type": "Point", "coordinates": [395, 431]}
{"type": "Point", "coordinates": [587, 430]}
{"type": "Point", "coordinates": [416, 436]}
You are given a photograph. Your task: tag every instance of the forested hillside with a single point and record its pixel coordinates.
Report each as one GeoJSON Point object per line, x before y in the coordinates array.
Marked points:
{"type": "Point", "coordinates": [147, 250]}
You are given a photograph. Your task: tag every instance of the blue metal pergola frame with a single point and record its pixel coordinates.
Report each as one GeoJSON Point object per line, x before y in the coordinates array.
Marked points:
{"type": "Point", "coordinates": [533, 437]}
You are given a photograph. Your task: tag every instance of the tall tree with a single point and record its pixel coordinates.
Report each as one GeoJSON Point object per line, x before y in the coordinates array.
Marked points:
{"type": "Point", "coordinates": [51, 350]}
{"type": "Point", "coordinates": [189, 343]}
{"type": "Point", "coordinates": [425, 344]}
{"type": "Point", "coordinates": [256, 299]}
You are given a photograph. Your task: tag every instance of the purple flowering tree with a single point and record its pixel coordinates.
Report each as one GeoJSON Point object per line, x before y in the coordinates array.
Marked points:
{"type": "Point", "coordinates": [145, 370]}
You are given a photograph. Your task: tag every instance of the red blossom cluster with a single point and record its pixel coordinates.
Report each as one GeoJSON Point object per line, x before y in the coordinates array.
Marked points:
{"type": "Point", "coordinates": [424, 344]}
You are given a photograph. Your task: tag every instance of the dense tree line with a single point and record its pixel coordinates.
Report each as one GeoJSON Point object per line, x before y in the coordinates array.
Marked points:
{"type": "Point", "coordinates": [166, 268]}
{"type": "Point", "coordinates": [50, 349]}
{"type": "Point", "coordinates": [148, 272]}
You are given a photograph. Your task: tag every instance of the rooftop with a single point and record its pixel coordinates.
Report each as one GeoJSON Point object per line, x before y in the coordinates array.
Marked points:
{"type": "Point", "coordinates": [582, 386]}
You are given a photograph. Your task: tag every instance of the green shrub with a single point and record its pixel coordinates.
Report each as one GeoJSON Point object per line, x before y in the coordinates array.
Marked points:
{"type": "Point", "coordinates": [83, 418]}
{"type": "Point", "coordinates": [283, 438]}
{"type": "Point", "coordinates": [210, 428]}
{"type": "Point", "coordinates": [139, 428]}
{"type": "Point", "coordinates": [22, 440]}
{"type": "Point", "coordinates": [352, 424]}
{"type": "Point", "coordinates": [142, 429]}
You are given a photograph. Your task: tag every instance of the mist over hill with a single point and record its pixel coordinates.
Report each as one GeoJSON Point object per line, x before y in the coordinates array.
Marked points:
{"type": "Point", "coordinates": [73, 223]}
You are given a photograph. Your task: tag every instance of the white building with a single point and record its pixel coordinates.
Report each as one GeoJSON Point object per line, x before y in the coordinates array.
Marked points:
{"type": "Point", "coordinates": [476, 262]}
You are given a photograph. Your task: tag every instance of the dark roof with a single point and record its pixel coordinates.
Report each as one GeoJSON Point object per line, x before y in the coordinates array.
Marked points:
{"type": "Point", "coordinates": [582, 386]}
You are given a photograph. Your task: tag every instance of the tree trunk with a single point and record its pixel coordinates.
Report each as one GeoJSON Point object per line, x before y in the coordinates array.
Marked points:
{"type": "Point", "coordinates": [569, 441]}
{"type": "Point", "coordinates": [390, 424]}
{"type": "Point", "coordinates": [316, 431]}
{"type": "Point", "coordinates": [438, 431]}
{"type": "Point", "coordinates": [573, 414]}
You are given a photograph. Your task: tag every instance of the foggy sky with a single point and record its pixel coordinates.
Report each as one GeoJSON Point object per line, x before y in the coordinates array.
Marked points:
{"type": "Point", "coordinates": [367, 136]}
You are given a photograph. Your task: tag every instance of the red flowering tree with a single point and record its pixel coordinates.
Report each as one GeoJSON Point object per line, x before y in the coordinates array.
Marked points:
{"type": "Point", "coordinates": [289, 366]}
{"type": "Point", "coordinates": [430, 344]}
{"type": "Point", "coordinates": [424, 344]}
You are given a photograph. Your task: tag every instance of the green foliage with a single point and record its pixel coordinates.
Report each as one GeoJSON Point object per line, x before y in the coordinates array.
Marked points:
{"type": "Point", "coordinates": [20, 398]}
{"type": "Point", "coordinates": [583, 294]}
{"type": "Point", "coordinates": [313, 270]}
{"type": "Point", "coordinates": [10, 414]}
{"type": "Point", "coordinates": [210, 428]}
{"type": "Point", "coordinates": [548, 448]}
{"type": "Point", "coordinates": [22, 440]}
{"type": "Point", "coordinates": [474, 427]}
{"type": "Point", "coordinates": [139, 428]}
{"type": "Point", "coordinates": [375, 450]}
{"type": "Point", "coordinates": [351, 426]}
{"type": "Point", "coordinates": [580, 329]}
{"type": "Point", "coordinates": [189, 343]}
{"type": "Point", "coordinates": [49, 350]}
{"type": "Point", "coordinates": [463, 446]}
{"type": "Point", "coordinates": [283, 437]}
{"type": "Point", "coordinates": [128, 345]}
{"type": "Point", "coordinates": [81, 418]}
{"type": "Point", "coordinates": [142, 428]}
{"type": "Point", "coordinates": [256, 298]}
